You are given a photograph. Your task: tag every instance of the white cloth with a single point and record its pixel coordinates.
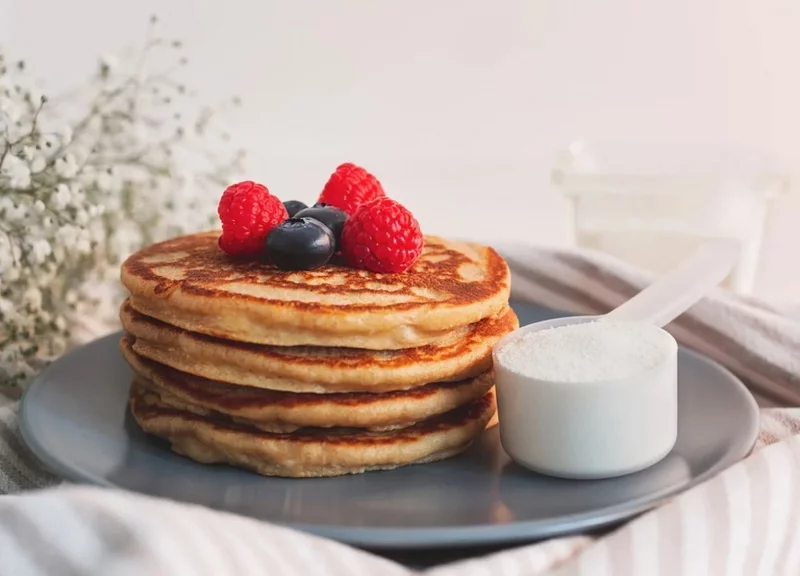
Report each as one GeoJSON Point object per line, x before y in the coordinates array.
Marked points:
{"type": "Point", "coordinates": [743, 521]}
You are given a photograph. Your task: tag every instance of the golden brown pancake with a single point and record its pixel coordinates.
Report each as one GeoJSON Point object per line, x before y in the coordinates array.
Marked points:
{"type": "Point", "coordinates": [314, 369]}
{"type": "Point", "coordinates": [310, 452]}
{"type": "Point", "coordinates": [190, 283]}
{"type": "Point", "coordinates": [286, 412]}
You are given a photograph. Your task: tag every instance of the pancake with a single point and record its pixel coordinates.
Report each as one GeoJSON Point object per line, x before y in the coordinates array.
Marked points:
{"type": "Point", "coordinates": [190, 283]}
{"type": "Point", "coordinates": [313, 369]}
{"type": "Point", "coordinates": [287, 412]}
{"type": "Point", "coordinates": [311, 452]}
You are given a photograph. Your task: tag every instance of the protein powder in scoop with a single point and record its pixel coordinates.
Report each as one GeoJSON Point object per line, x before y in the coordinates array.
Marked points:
{"type": "Point", "coordinates": [588, 352]}
{"type": "Point", "coordinates": [587, 398]}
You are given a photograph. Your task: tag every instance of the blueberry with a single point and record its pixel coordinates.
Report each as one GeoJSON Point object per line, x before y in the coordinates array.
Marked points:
{"type": "Point", "coordinates": [293, 207]}
{"type": "Point", "coordinates": [332, 217]}
{"type": "Point", "coordinates": [300, 244]}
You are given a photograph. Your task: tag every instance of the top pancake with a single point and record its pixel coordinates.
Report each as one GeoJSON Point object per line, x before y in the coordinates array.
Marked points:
{"type": "Point", "coordinates": [190, 283]}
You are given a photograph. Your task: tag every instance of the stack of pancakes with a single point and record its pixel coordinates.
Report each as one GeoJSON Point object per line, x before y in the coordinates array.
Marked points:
{"type": "Point", "coordinates": [313, 373]}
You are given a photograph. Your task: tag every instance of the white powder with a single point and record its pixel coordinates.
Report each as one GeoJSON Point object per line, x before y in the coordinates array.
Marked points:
{"type": "Point", "coordinates": [587, 352]}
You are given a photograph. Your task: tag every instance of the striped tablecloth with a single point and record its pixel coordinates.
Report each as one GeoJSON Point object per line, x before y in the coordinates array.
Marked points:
{"type": "Point", "coordinates": [744, 521]}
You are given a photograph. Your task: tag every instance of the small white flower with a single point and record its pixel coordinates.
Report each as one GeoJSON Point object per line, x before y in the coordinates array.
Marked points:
{"type": "Point", "coordinates": [32, 298]}
{"type": "Point", "coordinates": [18, 173]}
{"type": "Point", "coordinates": [109, 62]}
{"type": "Point", "coordinates": [60, 323]}
{"type": "Point", "coordinates": [21, 213]}
{"type": "Point", "coordinates": [81, 217]}
{"type": "Point", "coordinates": [12, 110]}
{"type": "Point", "coordinates": [38, 207]}
{"type": "Point", "coordinates": [35, 95]}
{"type": "Point", "coordinates": [6, 306]}
{"type": "Point", "coordinates": [71, 297]}
{"type": "Point", "coordinates": [40, 250]}
{"type": "Point", "coordinates": [67, 236]}
{"type": "Point", "coordinates": [61, 197]}
{"type": "Point", "coordinates": [47, 141]}
{"type": "Point", "coordinates": [38, 164]}
{"type": "Point", "coordinates": [109, 181]}
{"type": "Point", "coordinates": [67, 167]}
{"type": "Point", "coordinates": [20, 178]}
{"type": "Point", "coordinates": [83, 246]}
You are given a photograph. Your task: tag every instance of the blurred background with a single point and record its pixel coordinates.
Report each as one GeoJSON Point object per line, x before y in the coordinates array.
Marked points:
{"type": "Point", "coordinates": [491, 119]}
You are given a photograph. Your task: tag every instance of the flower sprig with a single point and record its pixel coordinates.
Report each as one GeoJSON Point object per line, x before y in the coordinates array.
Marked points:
{"type": "Point", "coordinates": [86, 179]}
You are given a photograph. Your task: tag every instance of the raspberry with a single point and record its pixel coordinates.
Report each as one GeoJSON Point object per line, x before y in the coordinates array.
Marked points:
{"type": "Point", "coordinates": [382, 236]}
{"type": "Point", "coordinates": [349, 187]}
{"type": "Point", "coordinates": [248, 212]}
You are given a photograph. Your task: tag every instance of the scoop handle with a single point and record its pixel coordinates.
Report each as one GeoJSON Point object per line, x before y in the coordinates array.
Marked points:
{"type": "Point", "coordinates": [672, 294]}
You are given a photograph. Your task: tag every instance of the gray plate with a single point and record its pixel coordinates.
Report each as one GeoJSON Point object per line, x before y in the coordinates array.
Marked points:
{"type": "Point", "coordinates": [74, 418]}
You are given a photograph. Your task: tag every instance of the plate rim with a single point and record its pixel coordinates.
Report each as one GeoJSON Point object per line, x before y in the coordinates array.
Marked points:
{"type": "Point", "coordinates": [398, 538]}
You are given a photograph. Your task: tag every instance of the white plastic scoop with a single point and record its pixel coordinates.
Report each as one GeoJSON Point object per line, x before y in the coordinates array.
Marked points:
{"type": "Point", "coordinates": [597, 396]}
{"type": "Point", "coordinates": [674, 293]}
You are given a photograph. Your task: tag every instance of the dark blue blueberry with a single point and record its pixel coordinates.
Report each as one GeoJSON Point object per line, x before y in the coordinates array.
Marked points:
{"type": "Point", "coordinates": [300, 244]}
{"type": "Point", "coordinates": [293, 207]}
{"type": "Point", "coordinates": [332, 217]}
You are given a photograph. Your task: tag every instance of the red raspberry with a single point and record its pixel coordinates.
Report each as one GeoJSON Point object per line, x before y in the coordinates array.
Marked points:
{"type": "Point", "coordinates": [248, 212]}
{"type": "Point", "coordinates": [382, 236]}
{"type": "Point", "coordinates": [350, 187]}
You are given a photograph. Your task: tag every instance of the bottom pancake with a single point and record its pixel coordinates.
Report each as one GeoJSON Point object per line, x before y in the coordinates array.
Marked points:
{"type": "Point", "coordinates": [274, 411]}
{"type": "Point", "coordinates": [311, 452]}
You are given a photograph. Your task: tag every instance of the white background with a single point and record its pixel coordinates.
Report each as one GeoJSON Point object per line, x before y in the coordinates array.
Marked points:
{"type": "Point", "coordinates": [459, 106]}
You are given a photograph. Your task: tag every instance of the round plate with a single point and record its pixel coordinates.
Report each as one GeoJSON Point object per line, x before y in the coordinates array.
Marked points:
{"type": "Point", "coordinates": [74, 418]}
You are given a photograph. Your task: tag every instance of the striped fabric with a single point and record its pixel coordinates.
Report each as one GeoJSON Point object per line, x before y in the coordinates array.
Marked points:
{"type": "Point", "coordinates": [744, 521]}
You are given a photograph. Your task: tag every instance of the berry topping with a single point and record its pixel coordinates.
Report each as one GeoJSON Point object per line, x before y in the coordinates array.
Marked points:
{"type": "Point", "coordinates": [349, 187]}
{"type": "Point", "coordinates": [293, 207]}
{"type": "Point", "coordinates": [300, 244]}
{"type": "Point", "coordinates": [248, 212]}
{"type": "Point", "coordinates": [332, 217]}
{"type": "Point", "coordinates": [382, 236]}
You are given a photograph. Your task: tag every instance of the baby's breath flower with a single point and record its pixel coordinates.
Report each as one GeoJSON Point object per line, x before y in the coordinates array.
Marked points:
{"type": "Point", "coordinates": [35, 95]}
{"type": "Point", "coordinates": [6, 306]}
{"type": "Point", "coordinates": [60, 197]}
{"type": "Point", "coordinates": [78, 196]}
{"type": "Point", "coordinates": [67, 167]}
{"type": "Point", "coordinates": [40, 249]}
{"type": "Point", "coordinates": [11, 110]}
{"type": "Point", "coordinates": [109, 181]}
{"type": "Point", "coordinates": [17, 173]}
{"type": "Point", "coordinates": [108, 63]}
{"type": "Point", "coordinates": [32, 298]}
{"type": "Point", "coordinates": [38, 164]}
